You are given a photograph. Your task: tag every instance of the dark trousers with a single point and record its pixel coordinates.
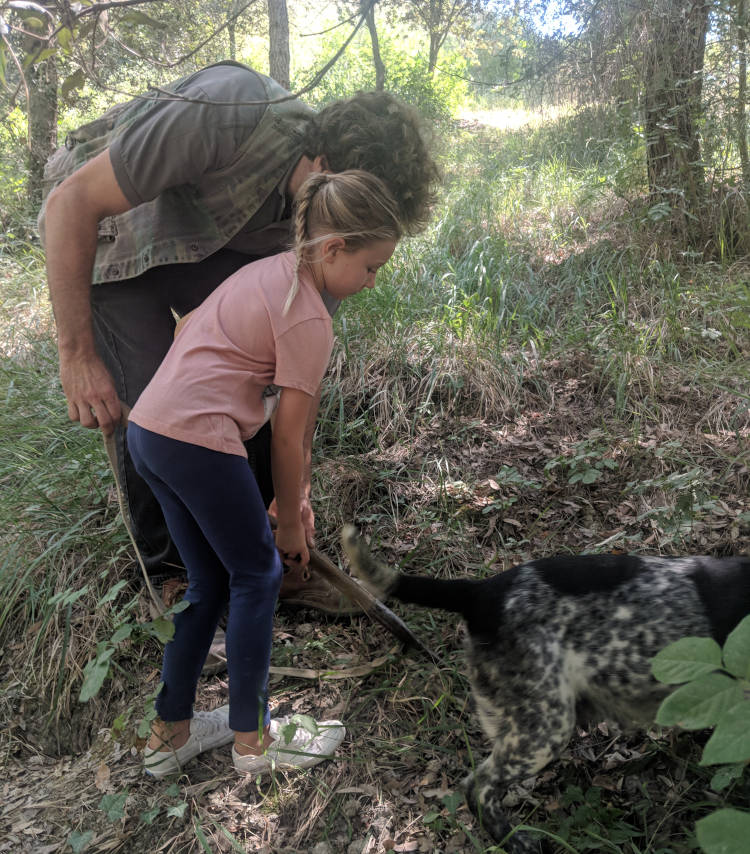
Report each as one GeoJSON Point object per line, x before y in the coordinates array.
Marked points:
{"type": "Point", "coordinates": [134, 327]}
{"type": "Point", "coordinates": [218, 521]}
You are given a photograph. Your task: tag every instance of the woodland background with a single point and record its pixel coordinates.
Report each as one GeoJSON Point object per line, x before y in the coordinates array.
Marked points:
{"type": "Point", "coordinates": [560, 363]}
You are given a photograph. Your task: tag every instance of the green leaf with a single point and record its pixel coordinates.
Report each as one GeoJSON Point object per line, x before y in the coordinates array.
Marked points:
{"type": "Point", "coordinates": [121, 634]}
{"type": "Point", "coordinates": [730, 741]}
{"type": "Point", "coordinates": [63, 37]}
{"type": "Point", "coordinates": [178, 810]}
{"type": "Point", "coordinates": [149, 815]}
{"type": "Point", "coordinates": [724, 832]}
{"type": "Point", "coordinates": [94, 674]}
{"type": "Point", "coordinates": [114, 805]}
{"type": "Point", "coordinates": [161, 628]}
{"type": "Point", "coordinates": [307, 723]}
{"type": "Point", "coordinates": [79, 841]}
{"type": "Point", "coordinates": [737, 650]}
{"type": "Point", "coordinates": [701, 703]}
{"type": "Point", "coordinates": [113, 591]}
{"type": "Point", "coordinates": [726, 775]}
{"type": "Point", "coordinates": [136, 17]}
{"type": "Point", "coordinates": [686, 659]}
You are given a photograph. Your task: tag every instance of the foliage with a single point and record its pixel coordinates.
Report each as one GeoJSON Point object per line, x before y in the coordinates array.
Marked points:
{"type": "Point", "coordinates": [407, 76]}
{"type": "Point", "coordinates": [714, 693]}
{"type": "Point", "coordinates": [543, 318]}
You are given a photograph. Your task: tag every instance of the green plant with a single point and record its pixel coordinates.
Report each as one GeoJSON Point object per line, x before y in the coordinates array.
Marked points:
{"type": "Point", "coordinates": [714, 693]}
{"type": "Point", "coordinates": [587, 463]}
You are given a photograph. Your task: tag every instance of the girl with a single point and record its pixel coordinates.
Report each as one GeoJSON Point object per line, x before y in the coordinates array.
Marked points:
{"type": "Point", "coordinates": [261, 342]}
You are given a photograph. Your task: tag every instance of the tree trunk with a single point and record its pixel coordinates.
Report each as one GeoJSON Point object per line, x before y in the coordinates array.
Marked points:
{"type": "Point", "coordinates": [42, 123]}
{"type": "Point", "coordinates": [672, 107]}
{"type": "Point", "coordinates": [376, 58]}
{"type": "Point", "coordinates": [436, 42]}
{"type": "Point", "coordinates": [278, 41]}
{"type": "Point", "coordinates": [742, 92]}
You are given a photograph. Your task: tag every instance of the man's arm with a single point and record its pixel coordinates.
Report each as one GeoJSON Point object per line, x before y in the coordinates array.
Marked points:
{"type": "Point", "coordinates": [73, 211]}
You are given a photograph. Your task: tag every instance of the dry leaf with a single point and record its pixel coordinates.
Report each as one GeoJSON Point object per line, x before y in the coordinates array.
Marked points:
{"type": "Point", "coordinates": [101, 778]}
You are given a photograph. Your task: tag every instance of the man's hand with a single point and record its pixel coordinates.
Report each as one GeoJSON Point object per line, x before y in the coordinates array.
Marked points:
{"type": "Point", "coordinates": [92, 397]}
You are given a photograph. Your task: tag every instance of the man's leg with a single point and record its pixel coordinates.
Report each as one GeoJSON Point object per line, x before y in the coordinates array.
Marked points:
{"type": "Point", "coordinates": [134, 328]}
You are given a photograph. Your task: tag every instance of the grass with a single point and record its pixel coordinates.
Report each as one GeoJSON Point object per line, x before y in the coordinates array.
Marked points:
{"type": "Point", "coordinates": [544, 370]}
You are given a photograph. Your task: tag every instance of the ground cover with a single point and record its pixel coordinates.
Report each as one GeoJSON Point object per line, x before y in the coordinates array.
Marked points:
{"type": "Point", "coordinates": [542, 372]}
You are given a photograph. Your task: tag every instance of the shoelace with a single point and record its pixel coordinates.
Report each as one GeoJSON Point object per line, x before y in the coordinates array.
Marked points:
{"type": "Point", "coordinates": [207, 724]}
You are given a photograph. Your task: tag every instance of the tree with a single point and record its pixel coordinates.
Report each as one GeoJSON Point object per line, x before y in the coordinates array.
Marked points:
{"type": "Point", "coordinates": [376, 57]}
{"type": "Point", "coordinates": [278, 41]}
{"type": "Point", "coordinates": [439, 18]}
{"type": "Point", "coordinates": [672, 88]}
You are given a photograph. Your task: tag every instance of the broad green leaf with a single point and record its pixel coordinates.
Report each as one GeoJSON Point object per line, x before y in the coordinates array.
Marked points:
{"type": "Point", "coordinates": [701, 703]}
{"type": "Point", "coordinates": [686, 659]}
{"type": "Point", "coordinates": [177, 811]}
{"type": "Point", "coordinates": [161, 628]}
{"type": "Point", "coordinates": [724, 832]}
{"type": "Point", "coordinates": [79, 840]}
{"type": "Point", "coordinates": [730, 741]}
{"type": "Point", "coordinates": [307, 723]}
{"type": "Point", "coordinates": [114, 805]}
{"type": "Point", "coordinates": [94, 674]}
{"type": "Point", "coordinates": [125, 630]}
{"type": "Point", "coordinates": [737, 650]}
{"type": "Point", "coordinates": [726, 775]}
{"type": "Point", "coordinates": [148, 816]}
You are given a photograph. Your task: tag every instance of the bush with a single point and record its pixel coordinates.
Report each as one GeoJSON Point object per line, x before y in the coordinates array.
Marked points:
{"type": "Point", "coordinates": [714, 694]}
{"type": "Point", "coordinates": [409, 77]}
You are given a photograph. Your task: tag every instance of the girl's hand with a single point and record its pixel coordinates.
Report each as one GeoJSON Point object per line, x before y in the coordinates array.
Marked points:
{"type": "Point", "coordinates": [292, 545]}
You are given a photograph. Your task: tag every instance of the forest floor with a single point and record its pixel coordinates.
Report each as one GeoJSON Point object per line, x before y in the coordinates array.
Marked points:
{"type": "Point", "coordinates": [411, 727]}
{"type": "Point", "coordinates": [454, 461]}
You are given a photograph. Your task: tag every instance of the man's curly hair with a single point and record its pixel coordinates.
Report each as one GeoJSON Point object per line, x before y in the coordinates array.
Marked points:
{"type": "Point", "coordinates": [376, 132]}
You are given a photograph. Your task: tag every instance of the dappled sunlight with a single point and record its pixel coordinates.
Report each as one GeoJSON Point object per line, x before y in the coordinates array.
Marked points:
{"type": "Point", "coordinates": [510, 118]}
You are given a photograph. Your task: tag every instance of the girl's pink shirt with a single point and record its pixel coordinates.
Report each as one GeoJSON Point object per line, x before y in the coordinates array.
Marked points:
{"type": "Point", "coordinates": [215, 385]}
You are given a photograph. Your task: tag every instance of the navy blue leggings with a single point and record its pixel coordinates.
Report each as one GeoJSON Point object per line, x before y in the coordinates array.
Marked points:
{"type": "Point", "coordinates": [217, 519]}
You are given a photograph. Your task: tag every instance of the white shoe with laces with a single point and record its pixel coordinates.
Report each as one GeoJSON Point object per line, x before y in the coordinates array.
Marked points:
{"type": "Point", "coordinates": [298, 742]}
{"type": "Point", "coordinates": [207, 730]}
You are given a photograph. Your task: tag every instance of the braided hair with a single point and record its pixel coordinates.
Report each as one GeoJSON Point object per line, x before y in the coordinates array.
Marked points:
{"type": "Point", "coordinates": [353, 205]}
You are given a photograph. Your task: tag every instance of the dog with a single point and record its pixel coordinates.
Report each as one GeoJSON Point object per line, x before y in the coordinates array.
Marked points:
{"type": "Point", "coordinates": [562, 640]}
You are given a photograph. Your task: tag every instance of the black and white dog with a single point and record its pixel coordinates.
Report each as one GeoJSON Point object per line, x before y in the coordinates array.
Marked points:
{"type": "Point", "coordinates": [553, 638]}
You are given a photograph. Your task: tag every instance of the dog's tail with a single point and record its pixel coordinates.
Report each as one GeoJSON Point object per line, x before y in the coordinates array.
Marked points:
{"type": "Point", "coordinates": [456, 595]}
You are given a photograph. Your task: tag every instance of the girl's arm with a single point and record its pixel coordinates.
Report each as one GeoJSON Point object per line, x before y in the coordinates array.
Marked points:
{"type": "Point", "coordinates": [287, 466]}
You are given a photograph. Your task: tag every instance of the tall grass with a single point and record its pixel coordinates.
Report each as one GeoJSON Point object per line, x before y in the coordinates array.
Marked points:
{"type": "Point", "coordinates": [540, 371]}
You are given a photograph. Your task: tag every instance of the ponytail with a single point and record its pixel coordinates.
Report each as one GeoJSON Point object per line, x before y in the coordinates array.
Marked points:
{"type": "Point", "coordinates": [353, 205]}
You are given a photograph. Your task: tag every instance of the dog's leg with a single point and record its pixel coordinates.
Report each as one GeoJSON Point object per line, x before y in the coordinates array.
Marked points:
{"type": "Point", "coordinates": [526, 737]}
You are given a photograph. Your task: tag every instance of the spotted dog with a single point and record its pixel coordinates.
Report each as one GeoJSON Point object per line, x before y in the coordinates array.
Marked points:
{"type": "Point", "coordinates": [554, 640]}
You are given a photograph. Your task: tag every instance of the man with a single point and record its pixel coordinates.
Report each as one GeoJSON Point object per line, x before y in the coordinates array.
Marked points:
{"type": "Point", "coordinates": [155, 203]}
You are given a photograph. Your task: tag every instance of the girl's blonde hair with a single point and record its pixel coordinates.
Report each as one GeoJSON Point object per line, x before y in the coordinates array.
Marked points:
{"type": "Point", "coordinates": [353, 205]}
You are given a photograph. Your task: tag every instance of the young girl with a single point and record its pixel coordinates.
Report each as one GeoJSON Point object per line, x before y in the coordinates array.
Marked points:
{"type": "Point", "coordinates": [260, 342]}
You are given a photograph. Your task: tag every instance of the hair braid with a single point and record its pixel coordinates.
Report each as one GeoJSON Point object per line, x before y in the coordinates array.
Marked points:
{"type": "Point", "coordinates": [301, 232]}
{"type": "Point", "coordinates": [353, 205]}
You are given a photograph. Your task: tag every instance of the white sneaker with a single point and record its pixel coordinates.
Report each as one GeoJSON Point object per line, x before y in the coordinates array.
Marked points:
{"type": "Point", "coordinates": [207, 730]}
{"type": "Point", "coordinates": [298, 742]}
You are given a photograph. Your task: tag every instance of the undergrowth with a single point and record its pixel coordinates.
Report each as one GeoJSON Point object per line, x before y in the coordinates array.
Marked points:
{"type": "Point", "coordinates": [542, 371]}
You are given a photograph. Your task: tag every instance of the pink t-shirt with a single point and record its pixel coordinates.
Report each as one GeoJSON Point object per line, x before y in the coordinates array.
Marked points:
{"type": "Point", "coordinates": [215, 387]}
